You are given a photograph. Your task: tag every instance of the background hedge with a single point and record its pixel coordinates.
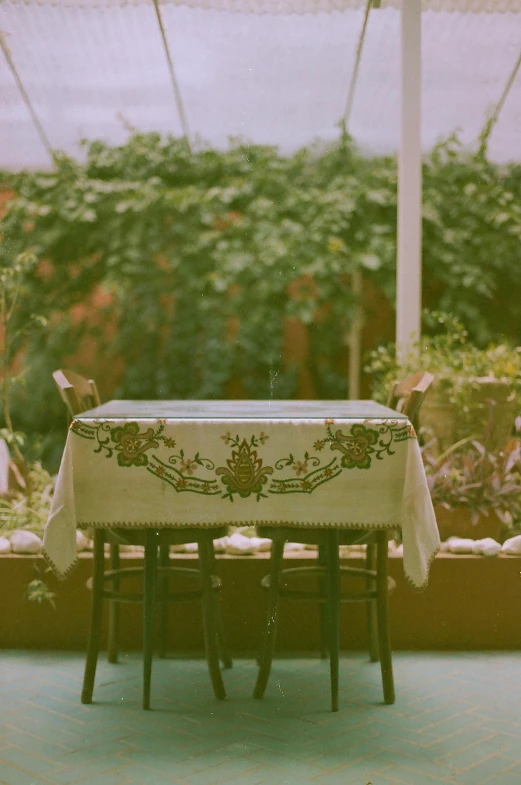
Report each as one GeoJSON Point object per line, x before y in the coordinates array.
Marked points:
{"type": "Point", "coordinates": [167, 273]}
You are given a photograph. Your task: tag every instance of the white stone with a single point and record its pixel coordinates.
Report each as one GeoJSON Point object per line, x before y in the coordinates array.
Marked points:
{"type": "Point", "coordinates": [239, 544]}
{"type": "Point", "coordinates": [460, 545]}
{"type": "Point", "coordinates": [486, 547]}
{"type": "Point", "coordinates": [512, 545]}
{"type": "Point", "coordinates": [294, 546]}
{"type": "Point", "coordinates": [191, 547]}
{"type": "Point", "coordinates": [398, 551]}
{"type": "Point", "coordinates": [5, 545]}
{"type": "Point", "coordinates": [220, 544]}
{"type": "Point", "coordinates": [25, 542]}
{"type": "Point", "coordinates": [263, 544]}
{"type": "Point", "coordinates": [82, 542]}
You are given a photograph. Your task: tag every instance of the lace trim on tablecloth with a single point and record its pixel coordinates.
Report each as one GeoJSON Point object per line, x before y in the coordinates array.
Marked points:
{"type": "Point", "coordinates": [426, 581]}
{"type": "Point", "coordinates": [59, 574]}
{"type": "Point", "coordinates": [235, 525]}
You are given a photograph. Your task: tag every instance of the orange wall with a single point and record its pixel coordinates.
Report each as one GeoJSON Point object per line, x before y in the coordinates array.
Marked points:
{"type": "Point", "coordinates": [469, 604]}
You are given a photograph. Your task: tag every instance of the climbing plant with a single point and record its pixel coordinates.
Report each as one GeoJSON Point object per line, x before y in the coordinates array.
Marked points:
{"type": "Point", "coordinates": [170, 273]}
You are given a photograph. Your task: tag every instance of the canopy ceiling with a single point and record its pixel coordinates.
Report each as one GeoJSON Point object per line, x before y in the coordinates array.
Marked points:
{"type": "Point", "coordinates": [93, 67]}
{"type": "Point", "coordinates": [297, 6]}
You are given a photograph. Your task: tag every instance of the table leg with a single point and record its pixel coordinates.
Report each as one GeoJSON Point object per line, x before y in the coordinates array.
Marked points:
{"type": "Point", "coordinates": [149, 592]}
{"type": "Point", "coordinates": [209, 620]}
{"type": "Point", "coordinates": [96, 616]}
{"type": "Point", "coordinates": [333, 559]}
{"type": "Point", "coordinates": [323, 610]}
{"type": "Point", "coordinates": [114, 607]}
{"type": "Point", "coordinates": [164, 561]}
{"type": "Point", "coordinates": [382, 596]}
{"type": "Point", "coordinates": [372, 616]}
{"type": "Point", "coordinates": [268, 646]}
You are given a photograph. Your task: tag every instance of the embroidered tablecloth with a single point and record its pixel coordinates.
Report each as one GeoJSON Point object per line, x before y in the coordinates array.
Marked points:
{"type": "Point", "coordinates": [345, 464]}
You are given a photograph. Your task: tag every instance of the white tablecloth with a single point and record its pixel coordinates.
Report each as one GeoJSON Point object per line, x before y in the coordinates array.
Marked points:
{"type": "Point", "coordinates": [345, 464]}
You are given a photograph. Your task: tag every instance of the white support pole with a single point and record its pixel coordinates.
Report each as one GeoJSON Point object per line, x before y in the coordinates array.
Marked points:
{"type": "Point", "coordinates": [354, 339]}
{"type": "Point", "coordinates": [408, 283]}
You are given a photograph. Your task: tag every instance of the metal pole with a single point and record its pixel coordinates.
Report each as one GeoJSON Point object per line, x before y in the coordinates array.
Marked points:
{"type": "Point", "coordinates": [355, 339]}
{"type": "Point", "coordinates": [354, 75]}
{"type": "Point", "coordinates": [408, 273]}
{"type": "Point", "coordinates": [25, 97]}
{"type": "Point", "coordinates": [175, 86]}
{"type": "Point", "coordinates": [492, 120]}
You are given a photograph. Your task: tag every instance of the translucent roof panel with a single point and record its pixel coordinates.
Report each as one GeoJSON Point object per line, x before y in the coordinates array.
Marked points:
{"type": "Point", "coordinates": [94, 71]}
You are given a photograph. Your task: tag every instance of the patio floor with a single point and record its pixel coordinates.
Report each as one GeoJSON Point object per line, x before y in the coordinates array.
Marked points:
{"type": "Point", "coordinates": [457, 719]}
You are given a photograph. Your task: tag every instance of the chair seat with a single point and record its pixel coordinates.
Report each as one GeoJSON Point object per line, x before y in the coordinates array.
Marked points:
{"type": "Point", "coordinates": [165, 537]}
{"type": "Point", "coordinates": [110, 576]}
{"type": "Point", "coordinates": [289, 573]}
{"type": "Point", "coordinates": [309, 535]}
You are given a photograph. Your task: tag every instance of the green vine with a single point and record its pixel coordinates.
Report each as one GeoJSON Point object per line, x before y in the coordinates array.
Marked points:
{"type": "Point", "coordinates": [169, 273]}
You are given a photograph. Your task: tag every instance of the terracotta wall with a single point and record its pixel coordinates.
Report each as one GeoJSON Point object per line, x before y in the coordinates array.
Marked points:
{"type": "Point", "coordinates": [471, 603]}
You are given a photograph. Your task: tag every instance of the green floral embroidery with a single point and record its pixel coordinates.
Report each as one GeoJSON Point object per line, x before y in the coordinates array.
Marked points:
{"type": "Point", "coordinates": [362, 443]}
{"type": "Point", "coordinates": [356, 448]}
{"type": "Point", "coordinates": [308, 483]}
{"type": "Point", "coordinates": [245, 473]}
{"type": "Point", "coordinates": [131, 445]}
{"type": "Point", "coordinates": [81, 429]}
{"type": "Point", "coordinates": [179, 481]}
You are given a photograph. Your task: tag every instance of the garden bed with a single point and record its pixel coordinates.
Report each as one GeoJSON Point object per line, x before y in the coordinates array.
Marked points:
{"type": "Point", "coordinates": [469, 604]}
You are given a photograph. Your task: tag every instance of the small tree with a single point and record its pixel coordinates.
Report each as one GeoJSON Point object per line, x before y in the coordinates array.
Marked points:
{"type": "Point", "coordinates": [13, 288]}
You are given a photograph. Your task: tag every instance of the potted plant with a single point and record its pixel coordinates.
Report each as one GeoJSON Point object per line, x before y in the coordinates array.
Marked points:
{"type": "Point", "coordinates": [476, 493]}
{"type": "Point", "coordinates": [476, 392]}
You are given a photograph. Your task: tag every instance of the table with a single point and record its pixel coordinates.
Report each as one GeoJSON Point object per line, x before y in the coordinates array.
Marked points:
{"type": "Point", "coordinates": [335, 464]}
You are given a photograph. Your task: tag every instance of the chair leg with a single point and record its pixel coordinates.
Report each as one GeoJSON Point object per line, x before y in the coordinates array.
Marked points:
{"type": "Point", "coordinates": [224, 652]}
{"type": "Point", "coordinates": [268, 646]}
{"type": "Point", "coordinates": [209, 619]}
{"type": "Point", "coordinates": [149, 592]}
{"type": "Point", "coordinates": [384, 641]}
{"type": "Point", "coordinates": [322, 582]}
{"type": "Point", "coordinates": [333, 573]}
{"type": "Point", "coordinates": [164, 561]}
{"type": "Point", "coordinates": [96, 616]}
{"type": "Point", "coordinates": [114, 608]}
{"type": "Point", "coordinates": [372, 616]}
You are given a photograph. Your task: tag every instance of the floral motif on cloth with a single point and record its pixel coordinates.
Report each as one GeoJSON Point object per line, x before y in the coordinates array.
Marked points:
{"type": "Point", "coordinates": [247, 471]}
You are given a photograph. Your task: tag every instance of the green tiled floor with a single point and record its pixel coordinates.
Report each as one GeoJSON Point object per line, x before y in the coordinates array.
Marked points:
{"type": "Point", "coordinates": [457, 720]}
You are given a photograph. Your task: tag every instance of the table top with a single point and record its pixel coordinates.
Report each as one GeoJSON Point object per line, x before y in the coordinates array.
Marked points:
{"type": "Point", "coordinates": [207, 464]}
{"type": "Point", "coordinates": [241, 410]}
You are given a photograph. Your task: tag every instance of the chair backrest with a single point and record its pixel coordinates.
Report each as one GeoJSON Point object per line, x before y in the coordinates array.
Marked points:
{"type": "Point", "coordinates": [407, 396]}
{"type": "Point", "coordinates": [77, 392]}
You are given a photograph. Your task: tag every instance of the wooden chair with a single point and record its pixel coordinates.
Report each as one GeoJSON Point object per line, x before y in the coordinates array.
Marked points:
{"type": "Point", "coordinates": [407, 396]}
{"type": "Point", "coordinates": [158, 540]}
{"type": "Point", "coordinates": [79, 395]}
{"type": "Point", "coordinates": [328, 573]}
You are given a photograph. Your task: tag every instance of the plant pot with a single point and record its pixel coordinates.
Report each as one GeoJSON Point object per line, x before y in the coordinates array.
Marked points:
{"type": "Point", "coordinates": [457, 522]}
{"type": "Point", "coordinates": [486, 413]}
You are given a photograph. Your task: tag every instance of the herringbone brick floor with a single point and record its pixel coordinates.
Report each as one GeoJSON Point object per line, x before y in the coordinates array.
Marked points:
{"type": "Point", "coordinates": [457, 720]}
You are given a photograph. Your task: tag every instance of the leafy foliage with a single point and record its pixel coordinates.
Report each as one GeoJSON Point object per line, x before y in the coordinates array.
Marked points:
{"type": "Point", "coordinates": [18, 512]}
{"type": "Point", "coordinates": [169, 273]}
{"type": "Point", "coordinates": [483, 482]}
{"type": "Point", "coordinates": [38, 590]}
{"type": "Point", "coordinates": [446, 352]}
